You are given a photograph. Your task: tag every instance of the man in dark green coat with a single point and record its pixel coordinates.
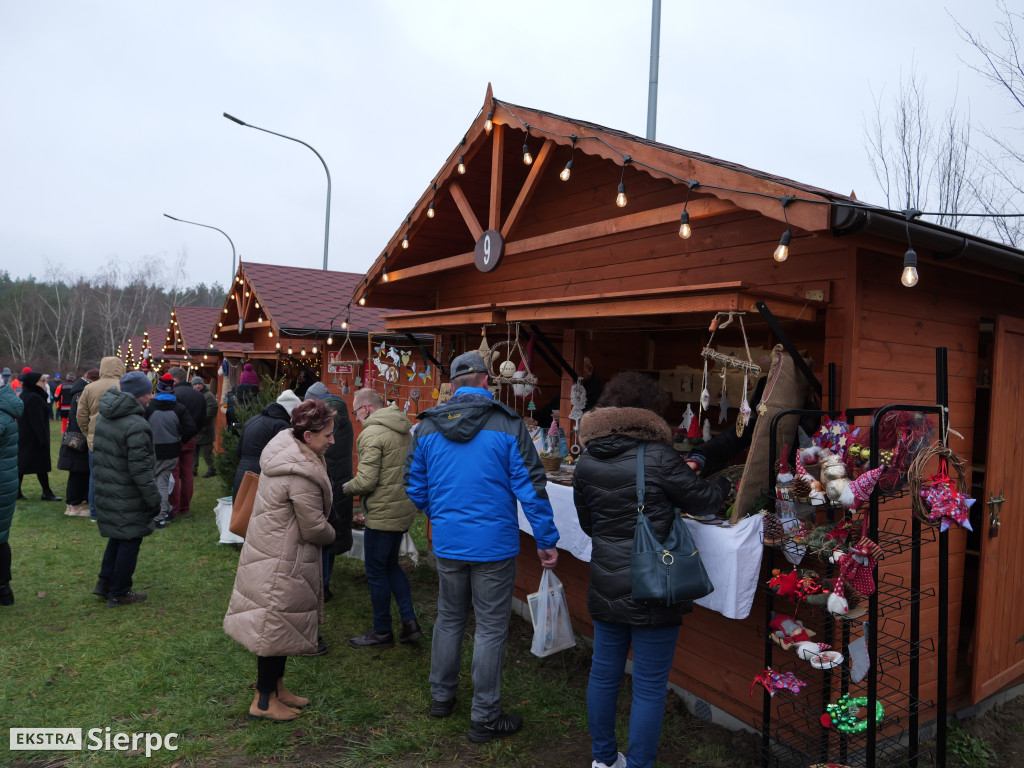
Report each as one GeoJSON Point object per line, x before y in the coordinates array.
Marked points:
{"type": "Point", "coordinates": [127, 498]}
{"type": "Point", "coordinates": [206, 436]}
{"type": "Point", "coordinates": [11, 409]}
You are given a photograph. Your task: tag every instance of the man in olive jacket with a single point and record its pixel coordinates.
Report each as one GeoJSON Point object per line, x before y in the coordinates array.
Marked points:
{"type": "Point", "coordinates": [127, 498]}
{"type": "Point", "coordinates": [382, 447]}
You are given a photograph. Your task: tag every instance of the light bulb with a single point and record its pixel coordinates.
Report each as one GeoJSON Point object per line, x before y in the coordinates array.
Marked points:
{"type": "Point", "coordinates": [257, 305]}
{"type": "Point", "coordinates": [620, 199]}
{"type": "Point", "coordinates": [430, 210]}
{"type": "Point", "coordinates": [278, 345]}
{"type": "Point", "coordinates": [462, 164]}
{"type": "Point", "coordinates": [384, 275]}
{"type": "Point", "coordinates": [344, 324]}
{"type": "Point", "coordinates": [566, 172]}
{"type": "Point", "coordinates": [314, 349]}
{"type": "Point", "coordinates": [489, 123]}
{"type": "Point", "coordinates": [362, 300]}
{"type": "Point", "coordinates": [225, 310]}
{"type": "Point", "coordinates": [782, 250]}
{"type": "Point", "coordinates": [302, 351]}
{"type": "Point", "coordinates": [216, 336]}
{"type": "Point", "coordinates": [289, 349]}
{"type": "Point", "coordinates": [270, 334]}
{"type": "Point", "coordinates": [684, 225]}
{"type": "Point", "coordinates": [527, 157]}
{"type": "Point", "coordinates": [204, 357]}
{"type": "Point", "coordinates": [330, 340]}
{"type": "Point", "coordinates": [909, 276]}
{"type": "Point", "coordinates": [405, 240]}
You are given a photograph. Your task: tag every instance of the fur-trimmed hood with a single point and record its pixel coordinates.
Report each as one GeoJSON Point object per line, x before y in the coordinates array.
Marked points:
{"type": "Point", "coordinates": [639, 424]}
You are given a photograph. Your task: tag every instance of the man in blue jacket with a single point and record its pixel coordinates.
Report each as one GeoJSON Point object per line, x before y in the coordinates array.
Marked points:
{"type": "Point", "coordinates": [469, 461]}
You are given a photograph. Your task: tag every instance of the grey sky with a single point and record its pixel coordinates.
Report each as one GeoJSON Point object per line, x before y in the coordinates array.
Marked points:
{"type": "Point", "coordinates": [110, 112]}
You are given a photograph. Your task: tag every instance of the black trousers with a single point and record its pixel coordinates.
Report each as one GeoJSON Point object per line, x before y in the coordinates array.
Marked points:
{"type": "Point", "coordinates": [5, 563]}
{"type": "Point", "coordinates": [78, 488]}
{"type": "Point", "coordinates": [269, 669]}
{"type": "Point", "coordinates": [44, 481]}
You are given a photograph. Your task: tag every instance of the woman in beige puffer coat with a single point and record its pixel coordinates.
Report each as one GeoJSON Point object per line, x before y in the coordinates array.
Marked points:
{"type": "Point", "coordinates": [277, 602]}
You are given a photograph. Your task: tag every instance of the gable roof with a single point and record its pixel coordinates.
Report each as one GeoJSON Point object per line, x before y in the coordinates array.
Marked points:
{"type": "Point", "coordinates": [303, 299]}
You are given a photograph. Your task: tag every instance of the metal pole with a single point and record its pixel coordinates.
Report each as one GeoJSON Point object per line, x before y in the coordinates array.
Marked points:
{"type": "Point", "coordinates": [327, 225]}
{"type": "Point", "coordinates": [652, 88]}
{"type": "Point", "coordinates": [196, 223]}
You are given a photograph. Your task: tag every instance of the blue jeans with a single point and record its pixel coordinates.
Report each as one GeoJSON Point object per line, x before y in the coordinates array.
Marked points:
{"type": "Point", "coordinates": [488, 588]}
{"type": "Point", "coordinates": [92, 491]}
{"type": "Point", "coordinates": [118, 567]}
{"type": "Point", "coordinates": [653, 649]}
{"type": "Point", "coordinates": [386, 577]}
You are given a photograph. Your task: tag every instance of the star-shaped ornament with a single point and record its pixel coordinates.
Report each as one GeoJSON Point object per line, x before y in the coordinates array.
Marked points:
{"type": "Point", "coordinates": [946, 505]}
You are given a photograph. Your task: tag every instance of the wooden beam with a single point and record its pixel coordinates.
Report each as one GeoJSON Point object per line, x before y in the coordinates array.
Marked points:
{"type": "Point", "coordinates": [655, 217]}
{"type": "Point", "coordinates": [529, 187]}
{"type": "Point", "coordinates": [497, 162]}
{"type": "Point", "coordinates": [465, 209]}
{"type": "Point", "coordinates": [444, 318]}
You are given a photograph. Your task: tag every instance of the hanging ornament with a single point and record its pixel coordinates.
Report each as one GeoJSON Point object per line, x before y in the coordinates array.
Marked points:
{"type": "Point", "coordinates": [406, 356]}
{"type": "Point", "coordinates": [687, 419]}
{"type": "Point", "coordinates": [946, 505]}
{"type": "Point", "coordinates": [345, 389]}
{"type": "Point", "coordinates": [865, 483]}
{"type": "Point", "coordinates": [723, 404]}
{"type": "Point", "coordinates": [744, 418]}
{"type": "Point", "coordinates": [507, 368]}
{"type": "Point", "coordinates": [532, 406]}
{"type": "Point", "coordinates": [445, 393]}
{"type": "Point", "coordinates": [707, 430]}
{"type": "Point", "coordinates": [578, 399]}
{"type": "Point", "coordinates": [705, 394]}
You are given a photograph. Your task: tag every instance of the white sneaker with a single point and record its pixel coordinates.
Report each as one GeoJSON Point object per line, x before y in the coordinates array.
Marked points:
{"type": "Point", "coordinates": [620, 762]}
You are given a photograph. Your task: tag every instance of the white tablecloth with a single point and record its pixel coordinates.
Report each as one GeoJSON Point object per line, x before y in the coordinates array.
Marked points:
{"type": "Point", "coordinates": [571, 537]}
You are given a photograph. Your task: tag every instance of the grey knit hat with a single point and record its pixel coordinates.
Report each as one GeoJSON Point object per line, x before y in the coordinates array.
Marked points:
{"type": "Point", "coordinates": [136, 384]}
{"type": "Point", "coordinates": [317, 391]}
{"type": "Point", "coordinates": [288, 400]}
{"type": "Point", "coordinates": [198, 380]}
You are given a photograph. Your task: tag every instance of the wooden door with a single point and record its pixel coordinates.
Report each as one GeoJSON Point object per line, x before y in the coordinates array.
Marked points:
{"type": "Point", "coordinates": [999, 625]}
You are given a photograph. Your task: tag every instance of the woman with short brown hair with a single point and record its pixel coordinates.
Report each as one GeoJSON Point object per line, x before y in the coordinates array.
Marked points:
{"type": "Point", "coordinates": [277, 602]}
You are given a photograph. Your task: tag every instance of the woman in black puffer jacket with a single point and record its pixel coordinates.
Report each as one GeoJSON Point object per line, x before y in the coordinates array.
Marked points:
{"type": "Point", "coordinates": [258, 431]}
{"type": "Point", "coordinates": [629, 413]}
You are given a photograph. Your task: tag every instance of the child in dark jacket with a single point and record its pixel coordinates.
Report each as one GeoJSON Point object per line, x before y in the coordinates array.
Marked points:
{"type": "Point", "coordinates": [172, 425]}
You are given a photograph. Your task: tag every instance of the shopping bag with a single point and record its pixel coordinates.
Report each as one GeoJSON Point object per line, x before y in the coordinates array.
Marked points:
{"type": "Point", "coordinates": [241, 511]}
{"type": "Point", "coordinates": [222, 516]}
{"type": "Point", "coordinates": [552, 627]}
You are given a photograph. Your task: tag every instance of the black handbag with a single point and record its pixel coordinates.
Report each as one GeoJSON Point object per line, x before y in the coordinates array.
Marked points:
{"type": "Point", "coordinates": [669, 572]}
{"type": "Point", "coordinates": [74, 441]}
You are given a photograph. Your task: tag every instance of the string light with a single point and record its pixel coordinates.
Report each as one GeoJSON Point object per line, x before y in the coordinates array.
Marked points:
{"type": "Point", "coordinates": [405, 240]}
{"type": "Point", "coordinates": [782, 249]}
{"type": "Point", "coordinates": [289, 347]}
{"type": "Point", "coordinates": [384, 274]}
{"type": "Point", "coordinates": [430, 210]}
{"type": "Point", "coordinates": [462, 164]}
{"type": "Point", "coordinates": [344, 325]}
{"type": "Point", "coordinates": [909, 276]}
{"type": "Point", "coordinates": [302, 351]}
{"type": "Point", "coordinates": [270, 333]}
{"type": "Point", "coordinates": [684, 218]}
{"type": "Point", "coordinates": [620, 198]}
{"type": "Point", "coordinates": [527, 157]}
{"type": "Point", "coordinates": [278, 345]}
{"type": "Point", "coordinates": [489, 122]}
{"type": "Point", "coordinates": [362, 300]}
{"type": "Point", "coordinates": [567, 171]}
{"type": "Point", "coordinates": [314, 347]}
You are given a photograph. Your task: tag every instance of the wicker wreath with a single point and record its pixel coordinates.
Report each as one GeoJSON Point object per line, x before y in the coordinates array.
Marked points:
{"type": "Point", "coordinates": [957, 470]}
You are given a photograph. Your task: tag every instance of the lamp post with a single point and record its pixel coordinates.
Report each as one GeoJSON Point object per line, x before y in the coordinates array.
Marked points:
{"type": "Point", "coordinates": [196, 223]}
{"type": "Point", "coordinates": [327, 224]}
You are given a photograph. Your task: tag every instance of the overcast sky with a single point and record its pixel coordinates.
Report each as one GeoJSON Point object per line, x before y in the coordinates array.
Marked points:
{"type": "Point", "coordinates": [110, 112]}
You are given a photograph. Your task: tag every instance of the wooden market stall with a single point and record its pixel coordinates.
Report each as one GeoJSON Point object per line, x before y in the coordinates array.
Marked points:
{"type": "Point", "coordinates": [622, 249]}
{"type": "Point", "coordinates": [297, 319]}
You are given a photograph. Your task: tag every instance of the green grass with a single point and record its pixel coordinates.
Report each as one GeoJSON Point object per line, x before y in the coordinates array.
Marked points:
{"type": "Point", "coordinates": [166, 666]}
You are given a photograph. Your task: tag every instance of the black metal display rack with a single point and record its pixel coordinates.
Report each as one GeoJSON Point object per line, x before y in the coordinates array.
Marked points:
{"type": "Point", "coordinates": [791, 729]}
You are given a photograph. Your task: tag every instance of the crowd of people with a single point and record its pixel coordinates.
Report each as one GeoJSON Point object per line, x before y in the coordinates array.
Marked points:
{"type": "Point", "coordinates": [467, 465]}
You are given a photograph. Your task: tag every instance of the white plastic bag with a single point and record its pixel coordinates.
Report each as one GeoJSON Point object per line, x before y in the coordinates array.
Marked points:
{"type": "Point", "coordinates": [222, 514]}
{"type": "Point", "coordinates": [552, 627]}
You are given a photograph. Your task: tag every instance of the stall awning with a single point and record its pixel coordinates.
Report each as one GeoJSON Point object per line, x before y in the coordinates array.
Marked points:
{"type": "Point", "coordinates": [677, 300]}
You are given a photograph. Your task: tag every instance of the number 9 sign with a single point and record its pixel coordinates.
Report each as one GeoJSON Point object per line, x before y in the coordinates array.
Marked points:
{"type": "Point", "coordinates": [490, 247]}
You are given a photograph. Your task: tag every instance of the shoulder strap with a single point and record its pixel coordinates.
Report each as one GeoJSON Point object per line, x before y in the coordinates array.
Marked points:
{"type": "Point", "coordinates": [641, 487]}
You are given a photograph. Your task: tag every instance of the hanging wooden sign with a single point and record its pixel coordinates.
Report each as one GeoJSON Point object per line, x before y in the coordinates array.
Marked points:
{"type": "Point", "coordinates": [490, 247]}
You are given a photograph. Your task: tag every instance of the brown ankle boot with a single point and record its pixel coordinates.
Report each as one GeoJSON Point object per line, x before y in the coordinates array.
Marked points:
{"type": "Point", "coordinates": [275, 711]}
{"type": "Point", "coordinates": [288, 698]}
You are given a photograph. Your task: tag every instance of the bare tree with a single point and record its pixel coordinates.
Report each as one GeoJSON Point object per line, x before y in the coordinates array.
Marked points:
{"type": "Point", "coordinates": [23, 332]}
{"type": "Point", "coordinates": [917, 164]}
{"type": "Point", "coordinates": [65, 301]}
{"type": "Point", "coordinates": [1000, 188]}
{"type": "Point", "coordinates": [126, 300]}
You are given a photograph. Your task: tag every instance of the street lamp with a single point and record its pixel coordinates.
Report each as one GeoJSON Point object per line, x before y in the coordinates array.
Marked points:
{"type": "Point", "coordinates": [196, 223]}
{"type": "Point", "coordinates": [327, 225]}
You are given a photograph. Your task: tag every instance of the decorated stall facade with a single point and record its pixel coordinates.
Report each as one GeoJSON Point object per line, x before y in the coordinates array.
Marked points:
{"type": "Point", "coordinates": [623, 250]}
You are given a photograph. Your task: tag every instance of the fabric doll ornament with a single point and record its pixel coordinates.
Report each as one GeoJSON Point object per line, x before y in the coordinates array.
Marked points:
{"type": "Point", "coordinates": [857, 567]}
{"type": "Point", "coordinates": [687, 419]}
{"type": "Point", "coordinates": [946, 505]}
{"type": "Point", "coordinates": [774, 682]}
